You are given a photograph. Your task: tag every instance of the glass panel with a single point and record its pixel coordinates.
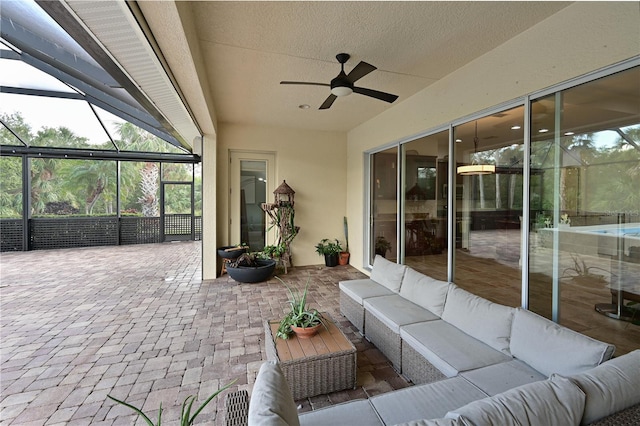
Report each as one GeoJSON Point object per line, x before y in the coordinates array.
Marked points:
{"type": "Point", "coordinates": [16, 123]}
{"type": "Point", "coordinates": [384, 204]}
{"type": "Point", "coordinates": [140, 188]}
{"type": "Point", "coordinates": [197, 168]}
{"type": "Point", "coordinates": [425, 218]}
{"type": "Point", "coordinates": [56, 122]}
{"type": "Point", "coordinates": [177, 172]}
{"type": "Point", "coordinates": [10, 187]}
{"type": "Point", "coordinates": [489, 206]}
{"type": "Point", "coordinates": [73, 187]}
{"type": "Point", "coordinates": [177, 199]}
{"type": "Point", "coordinates": [16, 73]}
{"type": "Point", "coordinates": [585, 251]}
{"type": "Point", "coordinates": [253, 192]}
{"type": "Point", "coordinates": [129, 137]}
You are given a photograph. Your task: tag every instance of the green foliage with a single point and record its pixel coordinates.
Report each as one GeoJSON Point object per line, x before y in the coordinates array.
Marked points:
{"type": "Point", "coordinates": [299, 314]}
{"type": "Point", "coordinates": [382, 245]}
{"type": "Point", "coordinates": [274, 251]}
{"type": "Point", "coordinates": [186, 418]}
{"type": "Point", "coordinates": [327, 247]}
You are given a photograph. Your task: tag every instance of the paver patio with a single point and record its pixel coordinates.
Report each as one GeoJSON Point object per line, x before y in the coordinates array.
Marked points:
{"type": "Point", "coordinates": [138, 323]}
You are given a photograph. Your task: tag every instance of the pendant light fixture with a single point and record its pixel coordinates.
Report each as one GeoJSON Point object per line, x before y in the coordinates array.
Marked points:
{"type": "Point", "coordinates": [476, 169]}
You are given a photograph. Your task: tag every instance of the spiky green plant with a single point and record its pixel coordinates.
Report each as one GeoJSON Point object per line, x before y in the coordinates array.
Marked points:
{"type": "Point", "coordinates": [186, 418]}
{"type": "Point", "coordinates": [299, 315]}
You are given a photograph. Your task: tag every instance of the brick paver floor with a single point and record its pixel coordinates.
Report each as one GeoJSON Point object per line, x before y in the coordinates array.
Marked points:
{"type": "Point", "coordinates": [138, 323]}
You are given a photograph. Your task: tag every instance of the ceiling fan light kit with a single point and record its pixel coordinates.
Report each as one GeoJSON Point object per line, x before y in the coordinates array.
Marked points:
{"type": "Point", "coordinates": [342, 85]}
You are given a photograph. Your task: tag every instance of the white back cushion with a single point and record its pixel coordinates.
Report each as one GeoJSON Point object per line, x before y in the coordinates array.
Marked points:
{"type": "Point", "coordinates": [271, 402]}
{"type": "Point", "coordinates": [424, 291]}
{"type": "Point", "coordinates": [551, 348]}
{"type": "Point", "coordinates": [387, 273]}
{"type": "Point", "coordinates": [486, 321]}
{"type": "Point", "coordinates": [550, 402]}
{"type": "Point", "coordinates": [610, 387]}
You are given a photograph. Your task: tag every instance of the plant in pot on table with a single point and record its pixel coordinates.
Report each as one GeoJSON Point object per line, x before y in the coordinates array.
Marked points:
{"type": "Point", "coordinates": [329, 250]}
{"type": "Point", "coordinates": [300, 319]}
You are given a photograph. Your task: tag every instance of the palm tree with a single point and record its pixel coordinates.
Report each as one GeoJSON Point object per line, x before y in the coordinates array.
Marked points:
{"type": "Point", "coordinates": [137, 139]}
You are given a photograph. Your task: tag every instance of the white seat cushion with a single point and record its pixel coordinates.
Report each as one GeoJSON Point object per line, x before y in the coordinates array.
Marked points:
{"type": "Point", "coordinates": [610, 387]}
{"type": "Point", "coordinates": [548, 402]}
{"type": "Point", "coordinates": [395, 311]}
{"type": "Point", "coordinates": [359, 290]}
{"type": "Point", "coordinates": [551, 348]}
{"type": "Point", "coordinates": [271, 402]}
{"type": "Point", "coordinates": [484, 320]}
{"type": "Point", "coordinates": [448, 349]}
{"type": "Point", "coordinates": [387, 273]}
{"type": "Point", "coordinates": [424, 291]}
{"type": "Point", "coordinates": [429, 401]}
{"type": "Point", "coordinates": [497, 378]}
{"type": "Point", "coordinates": [359, 412]}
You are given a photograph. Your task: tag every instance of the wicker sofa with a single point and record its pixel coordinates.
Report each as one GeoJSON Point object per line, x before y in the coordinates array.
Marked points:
{"type": "Point", "coordinates": [605, 395]}
{"type": "Point", "coordinates": [473, 362]}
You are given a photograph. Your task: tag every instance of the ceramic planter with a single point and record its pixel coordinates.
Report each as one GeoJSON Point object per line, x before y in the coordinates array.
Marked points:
{"type": "Point", "coordinates": [306, 333]}
{"type": "Point", "coordinates": [253, 274]}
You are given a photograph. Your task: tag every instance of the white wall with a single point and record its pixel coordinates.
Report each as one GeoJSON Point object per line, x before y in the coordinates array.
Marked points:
{"type": "Point", "coordinates": [581, 38]}
{"type": "Point", "coordinates": [313, 163]}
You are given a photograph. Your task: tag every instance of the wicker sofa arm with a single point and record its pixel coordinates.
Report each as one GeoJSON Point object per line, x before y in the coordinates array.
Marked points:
{"type": "Point", "coordinates": [237, 405]}
{"type": "Point", "coordinates": [627, 417]}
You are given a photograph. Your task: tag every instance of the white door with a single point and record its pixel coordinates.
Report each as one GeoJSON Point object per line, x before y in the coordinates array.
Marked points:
{"type": "Point", "coordinates": [252, 182]}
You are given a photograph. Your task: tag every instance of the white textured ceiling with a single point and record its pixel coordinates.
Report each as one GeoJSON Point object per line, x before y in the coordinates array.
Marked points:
{"type": "Point", "coordinates": [249, 47]}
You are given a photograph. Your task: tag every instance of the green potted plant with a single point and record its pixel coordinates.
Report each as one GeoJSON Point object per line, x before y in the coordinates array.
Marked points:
{"type": "Point", "coordinates": [276, 252]}
{"type": "Point", "coordinates": [382, 246]}
{"type": "Point", "coordinates": [329, 250]}
{"type": "Point", "coordinates": [300, 319]}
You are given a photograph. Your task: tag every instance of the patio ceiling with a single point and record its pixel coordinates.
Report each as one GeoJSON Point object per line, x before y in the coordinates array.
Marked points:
{"type": "Point", "coordinates": [246, 48]}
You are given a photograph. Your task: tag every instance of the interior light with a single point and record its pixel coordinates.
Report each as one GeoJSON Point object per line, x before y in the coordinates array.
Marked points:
{"type": "Point", "coordinates": [569, 133]}
{"type": "Point", "coordinates": [476, 169]}
{"type": "Point", "coordinates": [458, 140]}
{"type": "Point", "coordinates": [516, 127]}
{"type": "Point", "coordinates": [341, 91]}
{"type": "Point", "coordinates": [543, 130]}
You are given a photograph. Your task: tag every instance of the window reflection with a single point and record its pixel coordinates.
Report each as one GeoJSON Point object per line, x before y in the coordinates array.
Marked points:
{"type": "Point", "coordinates": [585, 242]}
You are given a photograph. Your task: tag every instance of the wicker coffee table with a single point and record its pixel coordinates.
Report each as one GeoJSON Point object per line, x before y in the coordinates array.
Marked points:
{"type": "Point", "coordinates": [323, 364]}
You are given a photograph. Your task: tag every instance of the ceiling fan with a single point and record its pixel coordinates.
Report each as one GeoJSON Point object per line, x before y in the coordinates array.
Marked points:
{"type": "Point", "coordinates": [342, 85]}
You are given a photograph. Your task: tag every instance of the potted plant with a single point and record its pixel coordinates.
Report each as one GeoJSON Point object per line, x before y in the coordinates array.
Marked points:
{"type": "Point", "coordinates": [276, 252]}
{"type": "Point", "coordinates": [382, 246]}
{"type": "Point", "coordinates": [251, 268]}
{"type": "Point", "coordinates": [301, 320]}
{"type": "Point", "coordinates": [343, 258]}
{"type": "Point", "coordinates": [329, 250]}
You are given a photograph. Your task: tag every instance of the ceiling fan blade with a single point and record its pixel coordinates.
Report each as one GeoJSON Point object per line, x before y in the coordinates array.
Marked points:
{"type": "Point", "coordinates": [387, 97]}
{"type": "Point", "coordinates": [328, 102]}
{"type": "Point", "coordinates": [360, 71]}
{"type": "Point", "coordinates": [307, 83]}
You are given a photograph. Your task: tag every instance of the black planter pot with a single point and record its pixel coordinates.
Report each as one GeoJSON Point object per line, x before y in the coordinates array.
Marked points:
{"type": "Point", "coordinates": [233, 254]}
{"type": "Point", "coordinates": [249, 274]}
{"type": "Point", "coordinates": [331, 259]}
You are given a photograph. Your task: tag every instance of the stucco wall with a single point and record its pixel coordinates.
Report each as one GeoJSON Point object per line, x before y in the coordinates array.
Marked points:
{"type": "Point", "coordinates": [581, 38]}
{"type": "Point", "coordinates": [313, 163]}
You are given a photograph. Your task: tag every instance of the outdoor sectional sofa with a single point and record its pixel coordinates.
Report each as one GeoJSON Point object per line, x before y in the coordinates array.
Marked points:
{"type": "Point", "coordinates": [473, 362]}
